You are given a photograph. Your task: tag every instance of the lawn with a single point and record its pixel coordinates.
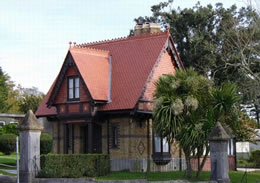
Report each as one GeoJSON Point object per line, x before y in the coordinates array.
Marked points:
{"type": "Point", "coordinates": [8, 159]}
{"type": "Point", "coordinates": [163, 176]}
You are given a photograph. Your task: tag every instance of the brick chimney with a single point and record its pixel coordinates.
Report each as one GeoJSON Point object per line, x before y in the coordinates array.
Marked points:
{"type": "Point", "coordinates": [147, 28]}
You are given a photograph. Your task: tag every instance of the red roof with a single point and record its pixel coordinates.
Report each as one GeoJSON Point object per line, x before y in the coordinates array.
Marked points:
{"type": "Point", "coordinates": [132, 61]}
{"type": "Point", "coordinates": [93, 66]}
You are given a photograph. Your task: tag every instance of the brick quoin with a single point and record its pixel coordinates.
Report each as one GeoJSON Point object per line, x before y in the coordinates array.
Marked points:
{"type": "Point", "coordinates": [62, 93]}
{"type": "Point", "coordinates": [165, 66]}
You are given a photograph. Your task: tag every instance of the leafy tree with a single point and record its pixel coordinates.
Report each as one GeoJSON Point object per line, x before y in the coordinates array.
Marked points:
{"type": "Point", "coordinates": [188, 107]}
{"type": "Point", "coordinates": [4, 106]}
{"type": "Point", "coordinates": [30, 99]}
{"type": "Point", "coordinates": [220, 43]}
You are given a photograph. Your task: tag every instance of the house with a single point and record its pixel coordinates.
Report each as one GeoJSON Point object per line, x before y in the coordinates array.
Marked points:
{"type": "Point", "coordinates": [101, 100]}
{"type": "Point", "coordinates": [9, 118]}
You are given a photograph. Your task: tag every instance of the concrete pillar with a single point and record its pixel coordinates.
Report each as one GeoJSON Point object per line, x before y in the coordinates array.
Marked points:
{"type": "Point", "coordinates": [218, 140]}
{"type": "Point", "coordinates": [30, 132]}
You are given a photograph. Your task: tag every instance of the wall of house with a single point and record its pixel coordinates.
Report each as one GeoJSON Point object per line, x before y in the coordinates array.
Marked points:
{"type": "Point", "coordinates": [164, 66]}
{"type": "Point", "coordinates": [62, 93]}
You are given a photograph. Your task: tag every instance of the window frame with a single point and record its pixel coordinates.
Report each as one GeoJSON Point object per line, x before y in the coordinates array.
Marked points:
{"type": "Point", "coordinates": [73, 78]}
{"type": "Point", "coordinates": [161, 157]}
{"type": "Point", "coordinates": [115, 139]}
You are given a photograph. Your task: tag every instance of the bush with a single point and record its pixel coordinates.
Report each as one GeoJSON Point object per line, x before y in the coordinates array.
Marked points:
{"type": "Point", "coordinates": [7, 143]}
{"type": "Point", "coordinates": [45, 143]}
{"type": "Point", "coordinates": [74, 165]}
{"type": "Point", "coordinates": [255, 157]}
{"type": "Point", "coordinates": [10, 128]}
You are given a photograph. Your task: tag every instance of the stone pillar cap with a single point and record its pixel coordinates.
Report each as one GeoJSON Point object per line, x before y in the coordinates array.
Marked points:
{"type": "Point", "coordinates": [218, 133]}
{"type": "Point", "coordinates": [30, 122]}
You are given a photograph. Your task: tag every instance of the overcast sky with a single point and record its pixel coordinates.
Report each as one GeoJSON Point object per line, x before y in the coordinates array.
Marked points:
{"type": "Point", "coordinates": [34, 34]}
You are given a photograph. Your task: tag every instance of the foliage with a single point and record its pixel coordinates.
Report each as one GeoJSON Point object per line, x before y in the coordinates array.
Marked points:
{"type": "Point", "coordinates": [10, 128]}
{"type": "Point", "coordinates": [221, 43]}
{"type": "Point", "coordinates": [74, 165]}
{"type": "Point", "coordinates": [255, 157]}
{"type": "Point", "coordinates": [3, 92]}
{"type": "Point", "coordinates": [31, 99]}
{"type": "Point", "coordinates": [7, 143]}
{"type": "Point", "coordinates": [188, 106]}
{"type": "Point", "coordinates": [45, 143]}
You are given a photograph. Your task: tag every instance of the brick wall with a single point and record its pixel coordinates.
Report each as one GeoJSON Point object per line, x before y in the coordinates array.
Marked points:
{"type": "Point", "coordinates": [165, 66]}
{"type": "Point", "coordinates": [62, 93]}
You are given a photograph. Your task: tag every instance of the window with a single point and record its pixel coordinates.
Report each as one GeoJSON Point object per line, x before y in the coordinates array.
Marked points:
{"type": "Point", "coordinates": [2, 123]}
{"type": "Point", "coordinates": [161, 145]}
{"type": "Point", "coordinates": [114, 137]}
{"type": "Point", "coordinates": [161, 150]}
{"type": "Point", "coordinates": [73, 88]}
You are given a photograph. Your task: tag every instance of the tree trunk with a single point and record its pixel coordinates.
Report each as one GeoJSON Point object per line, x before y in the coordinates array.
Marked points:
{"type": "Point", "coordinates": [188, 164]}
{"type": "Point", "coordinates": [203, 162]}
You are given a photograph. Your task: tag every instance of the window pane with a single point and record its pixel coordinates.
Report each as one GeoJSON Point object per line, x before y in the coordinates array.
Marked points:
{"type": "Point", "coordinates": [157, 144]}
{"type": "Point", "coordinates": [165, 145]}
{"type": "Point", "coordinates": [76, 92]}
{"type": "Point", "coordinates": [76, 82]}
{"type": "Point", "coordinates": [70, 83]}
{"type": "Point", "coordinates": [70, 92]}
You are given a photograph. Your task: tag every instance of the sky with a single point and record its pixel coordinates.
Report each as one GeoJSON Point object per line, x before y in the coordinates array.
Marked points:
{"type": "Point", "coordinates": [34, 34]}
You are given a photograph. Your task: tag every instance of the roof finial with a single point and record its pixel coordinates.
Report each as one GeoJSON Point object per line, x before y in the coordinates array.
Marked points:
{"type": "Point", "coordinates": [70, 43]}
{"type": "Point", "coordinates": [74, 44]}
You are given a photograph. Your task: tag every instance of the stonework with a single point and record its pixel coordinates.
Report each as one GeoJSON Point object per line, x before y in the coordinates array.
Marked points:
{"type": "Point", "coordinates": [30, 132]}
{"type": "Point", "coordinates": [134, 149]}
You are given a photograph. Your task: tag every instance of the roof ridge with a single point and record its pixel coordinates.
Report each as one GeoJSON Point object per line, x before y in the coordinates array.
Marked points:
{"type": "Point", "coordinates": [79, 47]}
{"type": "Point", "coordinates": [142, 36]}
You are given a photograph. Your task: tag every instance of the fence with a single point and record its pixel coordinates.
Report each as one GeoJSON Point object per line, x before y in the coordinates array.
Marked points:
{"type": "Point", "coordinates": [144, 165]}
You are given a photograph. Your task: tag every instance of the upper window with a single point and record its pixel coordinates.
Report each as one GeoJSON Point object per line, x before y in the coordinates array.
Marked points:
{"type": "Point", "coordinates": [73, 88]}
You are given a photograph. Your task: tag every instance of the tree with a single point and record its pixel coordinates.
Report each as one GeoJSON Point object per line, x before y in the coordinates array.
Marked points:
{"type": "Point", "coordinates": [4, 106]}
{"type": "Point", "coordinates": [188, 107]}
{"type": "Point", "coordinates": [30, 99]}
{"type": "Point", "coordinates": [220, 43]}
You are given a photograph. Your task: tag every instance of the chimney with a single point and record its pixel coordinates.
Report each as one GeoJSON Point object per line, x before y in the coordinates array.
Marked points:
{"type": "Point", "coordinates": [147, 28]}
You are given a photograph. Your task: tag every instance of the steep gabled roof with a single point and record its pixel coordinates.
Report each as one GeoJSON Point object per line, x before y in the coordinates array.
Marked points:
{"type": "Point", "coordinates": [132, 61]}
{"type": "Point", "coordinates": [93, 66]}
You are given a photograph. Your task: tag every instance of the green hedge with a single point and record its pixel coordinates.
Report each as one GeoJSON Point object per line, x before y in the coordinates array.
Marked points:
{"type": "Point", "coordinates": [255, 157]}
{"type": "Point", "coordinates": [45, 143]}
{"type": "Point", "coordinates": [74, 165]}
{"type": "Point", "coordinates": [7, 143]}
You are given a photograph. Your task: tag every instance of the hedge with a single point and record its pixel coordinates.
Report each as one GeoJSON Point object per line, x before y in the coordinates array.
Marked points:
{"type": "Point", "coordinates": [45, 143]}
{"type": "Point", "coordinates": [74, 165]}
{"type": "Point", "coordinates": [7, 143]}
{"type": "Point", "coordinates": [255, 157]}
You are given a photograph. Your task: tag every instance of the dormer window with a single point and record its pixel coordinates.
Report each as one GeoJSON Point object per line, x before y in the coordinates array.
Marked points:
{"type": "Point", "coordinates": [73, 88]}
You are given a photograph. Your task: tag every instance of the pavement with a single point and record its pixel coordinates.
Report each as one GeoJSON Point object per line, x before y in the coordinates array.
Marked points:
{"type": "Point", "coordinates": [248, 169]}
{"type": "Point", "coordinates": [9, 171]}
{"type": "Point", "coordinates": [7, 179]}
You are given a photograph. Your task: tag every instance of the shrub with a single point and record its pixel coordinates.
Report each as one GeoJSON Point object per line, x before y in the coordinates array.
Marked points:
{"type": "Point", "coordinates": [255, 157]}
{"type": "Point", "coordinates": [10, 128]}
{"type": "Point", "coordinates": [7, 143]}
{"type": "Point", "coordinates": [74, 165]}
{"type": "Point", "coordinates": [45, 143]}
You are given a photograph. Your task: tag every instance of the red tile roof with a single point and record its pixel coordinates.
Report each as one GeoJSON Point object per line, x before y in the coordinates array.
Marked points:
{"type": "Point", "coordinates": [132, 61]}
{"type": "Point", "coordinates": [93, 66]}
{"type": "Point", "coordinates": [43, 110]}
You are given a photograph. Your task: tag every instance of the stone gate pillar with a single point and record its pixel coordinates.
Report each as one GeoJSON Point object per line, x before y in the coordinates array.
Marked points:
{"type": "Point", "coordinates": [218, 140]}
{"type": "Point", "coordinates": [29, 131]}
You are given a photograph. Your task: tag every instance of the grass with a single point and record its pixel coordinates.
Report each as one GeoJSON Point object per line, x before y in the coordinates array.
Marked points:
{"type": "Point", "coordinates": [5, 173]}
{"type": "Point", "coordinates": [8, 159]}
{"type": "Point", "coordinates": [235, 177]}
